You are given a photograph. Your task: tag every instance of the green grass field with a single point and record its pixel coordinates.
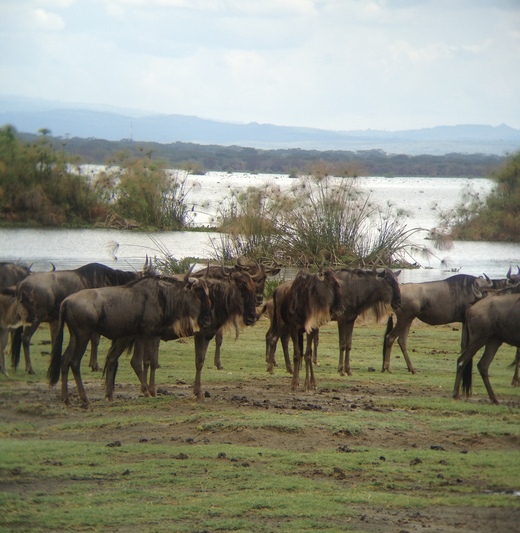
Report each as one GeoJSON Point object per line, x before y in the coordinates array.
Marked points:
{"type": "Point", "coordinates": [369, 452]}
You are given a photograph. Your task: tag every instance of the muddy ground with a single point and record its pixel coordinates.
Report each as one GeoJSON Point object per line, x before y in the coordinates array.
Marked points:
{"type": "Point", "coordinates": [266, 394]}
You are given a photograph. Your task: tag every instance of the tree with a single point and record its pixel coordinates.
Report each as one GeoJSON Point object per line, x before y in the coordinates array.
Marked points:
{"type": "Point", "coordinates": [495, 219]}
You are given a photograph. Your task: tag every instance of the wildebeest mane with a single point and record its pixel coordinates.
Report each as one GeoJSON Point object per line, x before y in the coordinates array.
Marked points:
{"type": "Point", "coordinates": [364, 300]}
{"type": "Point", "coordinates": [97, 275]}
{"type": "Point", "coordinates": [309, 306]}
{"type": "Point", "coordinates": [226, 303]}
{"type": "Point", "coordinates": [460, 283]}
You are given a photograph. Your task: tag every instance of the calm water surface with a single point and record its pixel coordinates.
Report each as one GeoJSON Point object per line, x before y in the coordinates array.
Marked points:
{"type": "Point", "coordinates": [419, 197]}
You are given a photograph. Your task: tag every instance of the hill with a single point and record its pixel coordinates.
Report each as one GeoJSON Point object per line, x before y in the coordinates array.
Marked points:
{"type": "Point", "coordinates": [111, 124]}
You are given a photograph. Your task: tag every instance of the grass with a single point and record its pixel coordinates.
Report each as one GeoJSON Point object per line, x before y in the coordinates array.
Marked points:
{"type": "Point", "coordinates": [226, 464]}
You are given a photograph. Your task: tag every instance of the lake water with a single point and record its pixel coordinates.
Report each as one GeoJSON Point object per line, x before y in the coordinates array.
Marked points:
{"type": "Point", "coordinates": [127, 249]}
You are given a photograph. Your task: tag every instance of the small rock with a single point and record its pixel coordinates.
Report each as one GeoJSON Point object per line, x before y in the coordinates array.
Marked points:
{"type": "Point", "coordinates": [181, 456]}
{"type": "Point", "coordinates": [415, 461]}
{"type": "Point", "coordinates": [338, 473]}
{"type": "Point", "coordinates": [115, 444]}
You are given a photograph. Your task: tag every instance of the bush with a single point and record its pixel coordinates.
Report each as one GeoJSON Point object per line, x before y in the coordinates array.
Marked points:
{"type": "Point", "coordinates": [39, 185]}
{"type": "Point", "coordinates": [321, 220]}
{"type": "Point", "coordinates": [496, 219]}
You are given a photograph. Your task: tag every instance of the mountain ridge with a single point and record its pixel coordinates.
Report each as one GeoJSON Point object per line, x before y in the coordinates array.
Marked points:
{"type": "Point", "coordinates": [113, 124]}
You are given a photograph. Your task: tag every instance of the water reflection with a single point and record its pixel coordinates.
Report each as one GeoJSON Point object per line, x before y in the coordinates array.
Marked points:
{"type": "Point", "coordinates": [419, 200]}
{"type": "Point", "coordinates": [127, 250]}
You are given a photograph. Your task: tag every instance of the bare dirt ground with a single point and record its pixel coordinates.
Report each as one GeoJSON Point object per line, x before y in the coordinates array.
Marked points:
{"type": "Point", "coordinates": [264, 394]}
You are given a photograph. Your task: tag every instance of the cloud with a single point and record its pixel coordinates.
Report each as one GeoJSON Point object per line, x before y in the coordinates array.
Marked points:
{"type": "Point", "coordinates": [323, 63]}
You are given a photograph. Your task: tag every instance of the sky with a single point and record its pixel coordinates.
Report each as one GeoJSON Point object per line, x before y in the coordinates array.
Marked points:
{"type": "Point", "coordinates": [328, 64]}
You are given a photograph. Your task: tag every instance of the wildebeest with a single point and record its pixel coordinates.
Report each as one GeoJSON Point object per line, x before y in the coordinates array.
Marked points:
{"type": "Point", "coordinates": [9, 318]}
{"type": "Point", "coordinates": [143, 308]}
{"type": "Point", "coordinates": [490, 322]}
{"type": "Point", "coordinates": [302, 306]}
{"type": "Point", "coordinates": [10, 275]}
{"type": "Point", "coordinates": [259, 274]}
{"type": "Point", "coordinates": [282, 333]}
{"type": "Point", "coordinates": [232, 303]}
{"type": "Point", "coordinates": [362, 291]}
{"type": "Point", "coordinates": [433, 302]}
{"type": "Point", "coordinates": [40, 296]}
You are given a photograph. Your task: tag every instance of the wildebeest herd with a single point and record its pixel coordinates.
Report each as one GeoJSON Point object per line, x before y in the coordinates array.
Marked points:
{"type": "Point", "coordinates": [136, 310]}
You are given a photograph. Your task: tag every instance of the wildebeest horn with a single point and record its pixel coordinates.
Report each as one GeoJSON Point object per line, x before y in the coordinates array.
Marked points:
{"type": "Point", "coordinates": [508, 275]}
{"type": "Point", "coordinates": [187, 276]}
{"type": "Point", "coordinates": [476, 292]}
{"type": "Point", "coordinates": [223, 270]}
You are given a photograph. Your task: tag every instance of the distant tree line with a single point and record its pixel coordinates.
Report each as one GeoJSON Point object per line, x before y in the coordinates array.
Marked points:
{"type": "Point", "coordinates": [198, 159]}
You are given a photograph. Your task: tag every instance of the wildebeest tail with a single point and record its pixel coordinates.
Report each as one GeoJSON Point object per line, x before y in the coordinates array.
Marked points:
{"type": "Point", "coordinates": [53, 373]}
{"type": "Point", "coordinates": [467, 378]}
{"type": "Point", "coordinates": [16, 346]}
{"type": "Point", "coordinates": [389, 328]}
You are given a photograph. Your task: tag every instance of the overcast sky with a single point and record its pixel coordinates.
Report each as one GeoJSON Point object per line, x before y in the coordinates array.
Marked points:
{"type": "Point", "coordinates": [331, 64]}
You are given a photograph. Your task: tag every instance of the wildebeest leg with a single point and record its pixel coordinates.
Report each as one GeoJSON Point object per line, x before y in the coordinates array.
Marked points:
{"type": "Point", "coordinates": [314, 339]}
{"type": "Point", "coordinates": [140, 365]}
{"type": "Point", "coordinates": [516, 363]}
{"type": "Point", "coordinates": [111, 364]}
{"type": "Point", "coordinates": [94, 344]}
{"type": "Point", "coordinates": [297, 339]}
{"type": "Point", "coordinates": [218, 343]}
{"type": "Point", "coordinates": [4, 336]}
{"type": "Point", "coordinates": [271, 340]}
{"type": "Point", "coordinates": [483, 366]}
{"type": "Point", "coordinates": [399, 332]}
{"type": "Point", "coordinates": [462, 362]}
{"type": "Point", "coordinates": [151, 358]}
{"type": "Point", "coordinates": [27, 333]}
{"type": "Point", "coordinates": [22, 338]}
{"type": "Point", "coordinates": [310, 380]}
{"type": "Point", "coordinates": [72, 359]}
{"type": "Point", "coordinates": [201, 348]}
{"type": "Point", "coordinates": [345, 329]}
{"type": "Point", "coordinates": [285, 337]}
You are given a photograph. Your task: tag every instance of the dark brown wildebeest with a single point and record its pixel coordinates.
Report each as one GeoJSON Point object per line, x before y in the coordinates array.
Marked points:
{"type": "Point", "coordinates": [489, 322]}
{"type": "Point", "coordinates": [143, 308]}
{"type": "Point", "coordinates": [10, 275]}
{"type": "Point", "coordinates": [433, 302]}
{"type": "Point", "coordinates": [232, 303]}
{"type": "Point", "coordinates": [302, 306]}
{"type": "Point", "coordinates": [40, 296]}
{"type": "Point", "coordinates": [258, 272]}
{"type": "Point", "coordinates": [362, 291]}
{"type": "Point", "coordinates": [9, 318]}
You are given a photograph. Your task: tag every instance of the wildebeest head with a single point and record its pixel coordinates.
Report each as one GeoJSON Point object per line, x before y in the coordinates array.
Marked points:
{"type": "Point", "coordinates": [12, 273]}
{"type": "Point", "coordinates": [200, 288]}
{"type": "Point", "coordinates": [245, 285]}
{"type": "Point", "coordinates": [391, 279]}
{"type": "Point", "coordinates": [26, 304]}
{"type": "Point", "coordinates": [259, 273]}
{"type": "Point", "coordinates": [330, 279]}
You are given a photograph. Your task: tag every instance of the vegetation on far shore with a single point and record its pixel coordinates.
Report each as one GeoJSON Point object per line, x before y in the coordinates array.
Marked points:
{"type": "Point", "coordinates": [321, 220]}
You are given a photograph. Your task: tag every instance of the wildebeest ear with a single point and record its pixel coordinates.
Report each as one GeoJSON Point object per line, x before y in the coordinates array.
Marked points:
{"type": "Point", "coordinates": [397, 272]}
